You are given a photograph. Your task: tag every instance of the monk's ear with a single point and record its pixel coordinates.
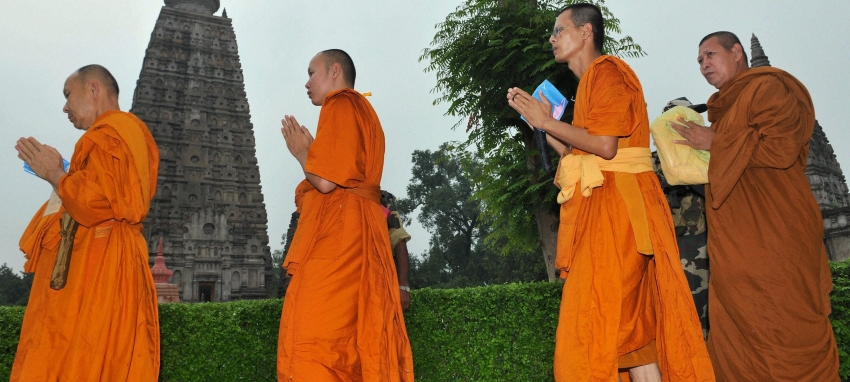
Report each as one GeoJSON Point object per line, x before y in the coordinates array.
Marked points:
{"type": "Point", "coordinates": [94, 89]}
{"type": "Point", "coordinates": [336, 70]}
{"type": "Point", "coordinates": [586, 31]}
{"type": "Point", "coordinates": [738, 51]}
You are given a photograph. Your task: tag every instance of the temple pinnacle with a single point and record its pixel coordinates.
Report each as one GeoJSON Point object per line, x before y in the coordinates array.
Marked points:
{"type": "Point", "coordinates": [758, 57]}
{"type": "Point", "coordinates": [205, 7]}
{"type": "Point", "coordinates": [224, 14]}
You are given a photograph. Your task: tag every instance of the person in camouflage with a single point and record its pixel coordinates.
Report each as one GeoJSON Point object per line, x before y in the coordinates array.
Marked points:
{"type": "Point", "coordinates": [687, 204]}
{"type": "Point", "coordinates": [398, 241]}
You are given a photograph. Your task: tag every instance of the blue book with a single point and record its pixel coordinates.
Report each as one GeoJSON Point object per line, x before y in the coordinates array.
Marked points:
{"type": "Point", "coordinates": [65, 164]}
{"type": "Point", "coordinates": [558, 101]}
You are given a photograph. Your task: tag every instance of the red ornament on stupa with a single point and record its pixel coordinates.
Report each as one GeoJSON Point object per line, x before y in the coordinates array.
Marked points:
{"type": "Point", "coordinates": [161, 274]}
{"type": "Point", "coordinates": [165, 292]}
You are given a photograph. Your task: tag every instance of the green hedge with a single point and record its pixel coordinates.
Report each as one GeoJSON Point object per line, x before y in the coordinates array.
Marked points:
{"type": "Point", "coordinates": [497, 333]}
{"type": "Point", "coordinates": [10, 332]}
{"type": "Point", "coordinates": [841, 313]}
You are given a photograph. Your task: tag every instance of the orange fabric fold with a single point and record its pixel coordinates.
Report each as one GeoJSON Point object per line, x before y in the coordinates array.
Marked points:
{"type": "Point", "coordinates": [618, 300]}
{"type": "Point", "coordinates": [342, 317]}
{"type": "Point", "coordinates": [104, 325]}
{"type": "Point", "coordinates": [770, 281]}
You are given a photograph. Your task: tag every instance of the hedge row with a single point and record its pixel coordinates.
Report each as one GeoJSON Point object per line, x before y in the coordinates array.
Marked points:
{"type": "Point", "coordinates": [495, 333]}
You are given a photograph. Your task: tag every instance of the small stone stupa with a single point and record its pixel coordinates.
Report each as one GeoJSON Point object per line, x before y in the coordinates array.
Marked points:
{"type": "Point", "coordinates": [758, 57]}
{"type": "Point", "coordinates": [165, 292]}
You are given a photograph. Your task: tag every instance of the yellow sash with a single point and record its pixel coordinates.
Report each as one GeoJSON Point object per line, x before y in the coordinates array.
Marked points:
{"type": "Point", "coordinates": [586, 171]}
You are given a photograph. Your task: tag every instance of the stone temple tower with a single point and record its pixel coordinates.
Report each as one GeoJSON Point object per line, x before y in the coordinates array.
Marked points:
{"type": "Point", "coordinates": [830, 189]}
{"type": "Point", "coordinates": [825, 178]}
{"type": "Point", "coordinates": [208, 207]}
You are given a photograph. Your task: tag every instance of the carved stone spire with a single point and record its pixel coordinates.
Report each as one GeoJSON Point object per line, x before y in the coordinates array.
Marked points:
{"type": "Point", "coordinates": [208, 206]}
{"type": "Point", "coordinates": [224, 13]}
{"type": "Point", "coordinates": [206, 7]}
{"type": "Point", "coordinates": [757, 53]}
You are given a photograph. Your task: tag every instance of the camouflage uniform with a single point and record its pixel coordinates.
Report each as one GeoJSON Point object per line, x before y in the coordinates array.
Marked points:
{"type": "Point", "coordinates": [397, 232]}
{"type": "Point", "coordinates": [687, 204]}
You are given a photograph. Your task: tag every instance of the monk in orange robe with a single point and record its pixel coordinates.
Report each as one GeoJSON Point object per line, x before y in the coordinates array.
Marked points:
{"type": "Point", "coordinates": [768, 294]}
{"type": "Point", "coordinates": [342, 318]}
{"type": "Point", "coordinates": [626, 308]}
{"type": "Point", "coordinates": [103, 325]}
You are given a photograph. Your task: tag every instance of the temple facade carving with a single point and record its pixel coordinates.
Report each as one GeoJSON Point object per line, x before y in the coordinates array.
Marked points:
{"type": "Point", "coordinates": [209, 207]}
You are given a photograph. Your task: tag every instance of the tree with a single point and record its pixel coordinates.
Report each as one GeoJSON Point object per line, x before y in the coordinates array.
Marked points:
{"type": "Point", "coordinates": [14, 289]}
{"type": "Point", "coordinates": [443, 190]}
{"type": "Point", "coordinates": [277, 272]}
{"type": "Point", "coordinates": [479, 51]}
{"type": "Point", "coordinates": [281, 280]}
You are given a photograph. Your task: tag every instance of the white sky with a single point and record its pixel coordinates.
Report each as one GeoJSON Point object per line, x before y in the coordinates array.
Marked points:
{"type": "Point", "coordinates": [43, 41]}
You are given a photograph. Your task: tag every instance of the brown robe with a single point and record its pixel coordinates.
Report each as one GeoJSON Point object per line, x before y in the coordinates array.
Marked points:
{"type": "Point", "coordinates": [770, 281]}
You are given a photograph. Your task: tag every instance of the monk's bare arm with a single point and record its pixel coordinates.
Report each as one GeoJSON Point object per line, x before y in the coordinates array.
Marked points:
{"type": "Point", "coordinates": [298, 141]}
{"type": "Point", "coordinates": [558, 146]}
{"type": "Point", "coordinates": [602, 145]}
{"type": "Point", "coordinates": [323, 185]}
{"type": "Point", "coordinates": [537, 114]}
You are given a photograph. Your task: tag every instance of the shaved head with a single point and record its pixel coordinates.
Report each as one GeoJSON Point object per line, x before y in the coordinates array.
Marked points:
{"type": "Point", "coordinates": [99, 73]}
{"type": "Point", "coordinates": [727, 40]}
{"type": "Point", "coordinates": [338, 56]}
{"type": "Point", "coordinates": [586, 13]}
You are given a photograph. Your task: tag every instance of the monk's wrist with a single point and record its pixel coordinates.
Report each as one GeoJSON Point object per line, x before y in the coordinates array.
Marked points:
{"type": "Point", "coordinates": [54, 176]}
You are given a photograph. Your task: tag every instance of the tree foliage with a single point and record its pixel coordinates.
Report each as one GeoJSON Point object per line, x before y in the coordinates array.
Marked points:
{"type": "Point", "coordinates": [278, 274]}
{"type": "Point", "coordinates": [443, 190]}
{"type": "Point", "coordinates": [481, 50]}
{"type": "Point", "coordinates": [14, 288]}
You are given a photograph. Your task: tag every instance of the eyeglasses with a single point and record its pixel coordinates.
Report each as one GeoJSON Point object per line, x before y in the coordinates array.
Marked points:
{"type": "Point", "coordinates": [557, 31]}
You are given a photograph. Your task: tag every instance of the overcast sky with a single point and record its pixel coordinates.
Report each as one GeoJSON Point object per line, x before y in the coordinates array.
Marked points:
{"type": "Point", "coordinates": [43, 41]}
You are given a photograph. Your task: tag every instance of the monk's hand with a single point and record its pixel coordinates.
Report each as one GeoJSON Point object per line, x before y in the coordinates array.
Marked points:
{"type": "Point", "coordinates": [298, 138]}
{"type": "Point", "coordinates": [536, 113]}
{"type": "Point", "coordinates": [696, 136]}
{"type": "Point", "coordinates": [405, 299]}
{"type": "Point", "coordinates": [45, 161]}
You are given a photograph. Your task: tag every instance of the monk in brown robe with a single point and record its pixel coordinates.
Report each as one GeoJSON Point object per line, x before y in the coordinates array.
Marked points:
{"type": "Point", "coordinates": [768, 300]}
{"type": "Point", "coordinates": [626, 307]}
{"type": "Point", "coordinates": [103, 325]}
{"type": "Point", "coordinates": [342, 318]}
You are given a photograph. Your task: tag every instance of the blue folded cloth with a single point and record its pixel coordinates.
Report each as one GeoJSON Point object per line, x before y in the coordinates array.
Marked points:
{"type": "Point", "coordinates": [65, 164]}
{"type": "Point", "coordinates": [558, 101]}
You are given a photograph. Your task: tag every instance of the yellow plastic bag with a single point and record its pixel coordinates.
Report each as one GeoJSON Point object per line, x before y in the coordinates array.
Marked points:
{"type": "Point", "coordinates": [681, 164]}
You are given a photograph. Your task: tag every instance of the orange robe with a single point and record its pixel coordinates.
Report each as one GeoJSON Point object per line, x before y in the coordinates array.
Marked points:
{"type": "Point", "coordinates": [342, 318]}
{"type": "Point", "coordinates": [626, 301]}
{"type": "Point", "coordinates": [104, 324]}
{"type": "Point", "coordinates": [770, 281]}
